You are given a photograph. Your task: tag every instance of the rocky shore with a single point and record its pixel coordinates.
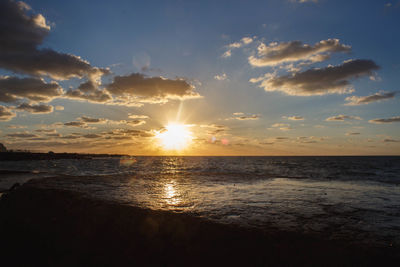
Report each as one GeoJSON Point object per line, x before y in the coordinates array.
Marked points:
{"type": "Point", "coordinates": [43, 227]}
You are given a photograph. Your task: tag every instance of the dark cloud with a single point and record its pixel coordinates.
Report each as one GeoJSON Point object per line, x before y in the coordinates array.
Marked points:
{"type": "Point", "coordinates": [89, 91]}
{"type": "Point", "coordinates": [131, 133]}
{"type": "Point", "coordinates": [362, 100]}
{"type": "Point", "coordinates": [389, 140]}
{"type": "Point", "coordinates": [353, 133]}
{"type": "Point", "coordinates": [92, 120]}
{"type": "Point", "coordinates": [250, 117]}
{"type": "Point", "coordinates": [22, 34]}
{"type": "Point", "coordinates": [342, 118]}
{"type": "Point", "coordinates": [215, 129]}
{"type": "Point", "coordinates": [45, 130]}
{"type": "Point", "coordinates": [34, 89]}
{"type": "Point", "coordinates": [275, 54]}
{"type": "Point", "coordinates": [71, 136]}
{"type": "Point", "coordinates": [388, 120]}
{"type": "Point", "coordinates": [134, 122]}
{"type": "Point", "coordinates": [308, 139]}
{"type": "Point", "coordinates": [241, 116]}
{"type": "Point", "coordinates": [53, 135]}
{"type": "Point", "coordinates": [138, 88]}
{"type": "Point", "coordinates": [6, 114]}
{"type": "Point", "coordinates": [91, 136]}
{"type": "Point", "coordinates": [41, 108]}
{"type": "Point", "coordinates": [319, 81]}
{"type": "Point", "coordinates": [281, 138]}
{"type": "Point", "coordinates": [75, 124]}
{"type": "Point", "coordinates": [22, 135]}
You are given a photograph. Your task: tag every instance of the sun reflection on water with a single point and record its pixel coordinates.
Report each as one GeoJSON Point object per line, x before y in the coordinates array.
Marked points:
{"type": "Point", "coordinates": [171, 195]}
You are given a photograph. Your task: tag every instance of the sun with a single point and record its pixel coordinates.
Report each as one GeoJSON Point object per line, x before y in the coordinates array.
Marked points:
{"type": "Point", "coordinates": [175, 136]}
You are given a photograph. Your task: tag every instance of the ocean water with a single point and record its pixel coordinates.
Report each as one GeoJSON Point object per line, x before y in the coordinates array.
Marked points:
{"type": "Point", "coordinates": [351, 198]}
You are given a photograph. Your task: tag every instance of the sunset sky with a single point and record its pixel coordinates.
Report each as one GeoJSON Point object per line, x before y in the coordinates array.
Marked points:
{"type": "Point", "coordinates": [280, 77]}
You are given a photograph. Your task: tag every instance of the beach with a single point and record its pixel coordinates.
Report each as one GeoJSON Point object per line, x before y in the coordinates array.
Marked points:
{"type": "Point", "coordinates": [53, 227]}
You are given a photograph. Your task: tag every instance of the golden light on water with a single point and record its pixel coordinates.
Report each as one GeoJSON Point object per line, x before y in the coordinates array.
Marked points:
{"type": "Point", "coordinates": [170, 194]}
{"type": "Point", "coordinates": [175, 137]}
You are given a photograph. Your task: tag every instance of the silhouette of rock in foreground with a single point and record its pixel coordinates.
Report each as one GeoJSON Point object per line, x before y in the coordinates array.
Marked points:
{"type": "Point", "coordinates": [43, 227]}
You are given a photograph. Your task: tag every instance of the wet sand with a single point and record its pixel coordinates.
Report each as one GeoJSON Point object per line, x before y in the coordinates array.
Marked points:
{"type": "Point", "coordinates": [48, 227]}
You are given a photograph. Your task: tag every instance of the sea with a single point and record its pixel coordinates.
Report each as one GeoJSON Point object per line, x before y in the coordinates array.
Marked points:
{"type": "Point", "coordinates": [356, 199]}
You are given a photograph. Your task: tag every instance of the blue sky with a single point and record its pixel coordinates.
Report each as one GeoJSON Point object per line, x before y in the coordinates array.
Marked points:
{"type": "Point", "coordinates": [184, 43]}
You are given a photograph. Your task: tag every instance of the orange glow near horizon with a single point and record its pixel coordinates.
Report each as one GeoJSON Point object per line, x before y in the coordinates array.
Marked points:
{"type": "Point", "coordinates": [175, 137]}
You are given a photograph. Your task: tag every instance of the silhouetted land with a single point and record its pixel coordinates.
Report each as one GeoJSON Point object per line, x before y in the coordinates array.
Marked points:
{"type": "Point", "coordinates": [43, 227]}
{"type": "Point", "coordinates": [10, 156]}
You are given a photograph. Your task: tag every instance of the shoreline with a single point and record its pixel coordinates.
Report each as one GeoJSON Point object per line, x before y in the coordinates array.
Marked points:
{"type": "Point", "coordinates": [52, 227]}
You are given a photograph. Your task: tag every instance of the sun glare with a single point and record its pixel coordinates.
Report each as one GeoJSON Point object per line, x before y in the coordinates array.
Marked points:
{"type": "Point", "coordinates": [175, 137]}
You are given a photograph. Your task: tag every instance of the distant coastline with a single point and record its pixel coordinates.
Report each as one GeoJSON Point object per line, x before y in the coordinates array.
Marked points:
{"type": "Point", "coordinates": [15, 156]}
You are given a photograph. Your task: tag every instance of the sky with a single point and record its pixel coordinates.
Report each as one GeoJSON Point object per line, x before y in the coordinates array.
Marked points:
{"type": "Point", "coordinates": [280, 77]}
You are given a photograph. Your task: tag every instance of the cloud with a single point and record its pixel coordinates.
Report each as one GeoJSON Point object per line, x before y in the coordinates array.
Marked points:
{"type": "Point", "coordinates": [294, 118]}
{"type": "Point", "coordinates": [17, 126]}
{"type": "Point", "coordinates": [249, 117]}
{"type": "Point", "coordinates": [136, 87]}
{"type": "Point", "coordinates": [275, 54]}
{"type": "Point", "coordinates": [388, 120]}
{"type": "Point", "coordinates": [352, 133]}
{"type": "Point", "coordinates": [46, 131]}
{"type": "Point", "coordinates": [135, 116]}
{"type": "Point", "coordinates": [282, 126]}
{"type": "Point", "coordinates": [22, 34]}
{"type": "Point", "coordinates": [75, 124]}
{"type": "Point", "coordinates": [309, 139]}
{"type": "Point", "coordinates": [221, 77]}
{"type": "Point", "coordinates": [53, 135]}
{"type": "Point", "coordinates": [319, 81]}
{"type": "Point", "coordinates": [89, 91]}
{"type": "Point", "coordinates": [215, 129]}
{"type": "Point", "coordinates": [131, 133]}
{"type": "Point", "coordinates": [13, 88]}
{"type": "Point", "coordinates": [281, 138]}
{"type": "Point", "coordinates": [71, 136]}
{"type": "Point", "coordinates": [84, 120]}
{"type": "Point", "coordinates": [343, 118]}
{"type": "Point", "coordinates": [92, 120]}
{"type": "Point", "coordinates": [41, 108]}
{"type": "Point", "coordinates": [363, 100]}
{"type": "Point", "coordinates": [22, 135]}
{"type": "Point", "coordinates": [134, 122]}
{"type": "Point", "coordinates": [227, 53]}
{"type": "Point", "coordinates": [91, 136]}
{"type": "Point", "coordinates": [390, 140]}
{"type": "Point", "coordinates": [6, 114]}
{"type": "Point", "coordinates": [266, 143]}
{"type": "Point", "coordinates": [242, 117]}
{"type": "Point", "coordinates": [244, 41]}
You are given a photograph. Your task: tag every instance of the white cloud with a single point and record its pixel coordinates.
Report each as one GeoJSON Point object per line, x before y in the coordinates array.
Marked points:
{"type": "Point", "coordinates": [221, 77]}
{"type": "Point", "coordinates": [243, 42]}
